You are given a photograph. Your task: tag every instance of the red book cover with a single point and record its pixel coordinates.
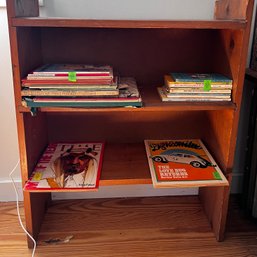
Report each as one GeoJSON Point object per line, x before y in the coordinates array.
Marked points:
{"type": "Point", "coordinates": [68, 166]}
{"type": "Point", "coordinates": [89, 81]}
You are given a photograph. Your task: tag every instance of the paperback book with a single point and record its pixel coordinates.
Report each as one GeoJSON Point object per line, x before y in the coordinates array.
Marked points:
{"type": "Point", "coordinates": [182, 163]}
{"type": "Point", "coordinates": [68, 166]}
{"type": "Point", "coordinates": [168, 97]}
{"type": "Point", "coordinates": [195, 84]}
{"type": "Point", "coordinates": [200, 77]}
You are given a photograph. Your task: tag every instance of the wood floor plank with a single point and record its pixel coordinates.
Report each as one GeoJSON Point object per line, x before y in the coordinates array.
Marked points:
{"type": "Point", "coordinates": [126, 227]}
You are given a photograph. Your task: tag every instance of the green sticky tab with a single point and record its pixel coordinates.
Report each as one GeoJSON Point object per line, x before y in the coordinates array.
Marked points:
{"type": "Point", "coordinates": [216, 175]}
{"type": "Point", "coordinates": [72, 76]}
{"type": "Point", "coordinates": [207, 85]}
{"type": "Point", "coordinates": [37, 176]}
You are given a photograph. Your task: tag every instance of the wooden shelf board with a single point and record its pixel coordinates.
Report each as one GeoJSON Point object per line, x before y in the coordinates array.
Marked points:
{"type": "Point", "coordinates": [190, 24]}
{"type": "Point", "coordinates": [126, 164]}
{"type": "Point", "coordinates": [175, 106]}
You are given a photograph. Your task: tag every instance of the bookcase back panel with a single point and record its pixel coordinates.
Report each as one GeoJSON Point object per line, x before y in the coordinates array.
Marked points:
{"type": "Point", "coordinates": [129, 127]}
{"type": "Point", "coordinates": [146, 54]}
{"type": "Point", "coordinates": [213, 127]}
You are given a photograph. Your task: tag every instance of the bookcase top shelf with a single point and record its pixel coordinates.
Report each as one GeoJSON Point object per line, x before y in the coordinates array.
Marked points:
{"type": "Point", "coordinates": [165, 24]}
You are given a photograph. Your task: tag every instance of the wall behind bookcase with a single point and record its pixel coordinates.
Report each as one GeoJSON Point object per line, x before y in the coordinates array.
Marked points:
{"type": "Point", "coordinates": [97, 9]}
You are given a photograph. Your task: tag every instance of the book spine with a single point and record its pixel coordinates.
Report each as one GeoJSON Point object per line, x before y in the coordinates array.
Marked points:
{"type": "Point", "coordinates": [65, 78]}
{"type": "Point", "coordinates": [68, 93]}
{"type": "Point", "coordinates": [66, 74]}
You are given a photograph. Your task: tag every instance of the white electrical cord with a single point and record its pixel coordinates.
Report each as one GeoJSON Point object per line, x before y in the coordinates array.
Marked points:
{"type": "Point", "coordinates": [18, 209]}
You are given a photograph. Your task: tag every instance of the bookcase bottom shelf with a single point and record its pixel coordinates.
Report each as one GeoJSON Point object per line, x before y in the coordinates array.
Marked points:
{"type": "Point", "coordinates": [116, 221]}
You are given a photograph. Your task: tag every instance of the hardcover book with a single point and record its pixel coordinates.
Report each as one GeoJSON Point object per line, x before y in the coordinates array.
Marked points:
{"type": "Point", "coordinates": [200, 77]}
{"type": "Point", "coordinates": [51, 69]}
{"type": "Point", "coordinates": [70, 92]}
{"type": "Point", "coordinates": [68, 166]}
{"type": "Point", "coordinates": [182, 163]}
{"type": "Point", "coordinates": [82, 102]}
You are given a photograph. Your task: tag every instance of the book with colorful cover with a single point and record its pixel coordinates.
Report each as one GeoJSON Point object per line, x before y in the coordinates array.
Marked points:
{"type": "Point", "coordinates": [166, 97]}
{"type": "Point", "coordinates": [182, 163]}
{"type": "Point", "coordinates": [170, 82]}
{"type": "Point", "coordinates": [79, 84]}
{"type": "Point", "coordinates": [62, 68]}
{"type": "Point", "coordinates": [70, 92]}
{"type": "Point", "coordinates": [200, 77]}
{"type": "Point", "coordinates": [197, 90]}
{"type": "Point", "coordinates": [40, 102]}
{"type": "Point", "coordinates": [68, 166]}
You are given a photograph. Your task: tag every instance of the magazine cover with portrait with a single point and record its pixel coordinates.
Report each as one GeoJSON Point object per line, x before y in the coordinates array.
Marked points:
{"type": "Point", "coordinates": [68, 166]}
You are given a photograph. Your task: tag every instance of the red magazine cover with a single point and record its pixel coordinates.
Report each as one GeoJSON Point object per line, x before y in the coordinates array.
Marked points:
{"type": "Point", "coordinates": [68, 166]}
{"type": "Point", "coordinates": [182, 163]}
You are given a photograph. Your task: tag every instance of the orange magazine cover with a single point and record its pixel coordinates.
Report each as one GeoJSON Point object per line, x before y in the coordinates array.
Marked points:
{"type": "Point", "coordinates": [67, 166]}
{"type": "Point", "coordinates": [182, 163]}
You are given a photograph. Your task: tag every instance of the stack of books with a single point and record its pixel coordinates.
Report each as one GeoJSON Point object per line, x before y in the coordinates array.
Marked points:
{"type": "Point", "coordinates": [196, 87]}
{"type": "Point", "coordinates": [78, 85]}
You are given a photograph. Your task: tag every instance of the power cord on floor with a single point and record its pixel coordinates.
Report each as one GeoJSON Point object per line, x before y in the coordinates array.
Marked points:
{"type": "Point", "coordinates": [18, 209]}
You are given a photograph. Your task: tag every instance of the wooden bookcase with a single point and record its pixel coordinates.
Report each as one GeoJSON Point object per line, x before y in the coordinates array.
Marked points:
{"type": "Point", "coordinates": [145, 50]}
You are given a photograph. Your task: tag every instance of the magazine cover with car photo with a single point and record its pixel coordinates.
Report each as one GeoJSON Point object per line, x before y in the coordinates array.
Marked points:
{"type": "Point", "coordinates": [182, 163]}
{"type": "Point", "coordinates": [68, 166]}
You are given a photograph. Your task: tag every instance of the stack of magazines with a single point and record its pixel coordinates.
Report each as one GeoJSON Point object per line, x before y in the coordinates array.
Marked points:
{"type": "Point", "coordinates": [78, 85]}
{"type": "Point", "coordinates": [196, 87]}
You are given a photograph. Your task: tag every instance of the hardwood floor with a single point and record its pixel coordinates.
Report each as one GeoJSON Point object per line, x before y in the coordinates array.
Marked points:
{"type": "Point", "coordinates": [126, 227]}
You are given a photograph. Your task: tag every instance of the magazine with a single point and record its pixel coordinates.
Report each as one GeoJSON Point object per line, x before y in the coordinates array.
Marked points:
{"type": "Point", "coordinates": [182, 163]}
{"type": "Point", "coordinates": [68, 166]}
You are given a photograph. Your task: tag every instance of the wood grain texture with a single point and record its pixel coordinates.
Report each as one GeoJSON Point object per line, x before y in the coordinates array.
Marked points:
{"type": "Point", "coordinates": [84, 23]}
{"type": "Point", "coordinates": [138, 227]}
{"type": "Point", "coordinates": [215, 204]}
{"type": "Point", "coordinates": [231, 9]}
{"type": "Point", "coordinates": [145, 50]}
{"type": "Point", "coordinates": [26, 8]}
{"type": "Point", "coordinates": [133, 127]}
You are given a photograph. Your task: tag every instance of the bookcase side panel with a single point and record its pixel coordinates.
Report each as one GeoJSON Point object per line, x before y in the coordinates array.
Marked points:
{"type": "Point", "coordinates": [36, 138]}
{"type": "Point", "coordinates": [35, 206]}
{"type": "Point", "coordinates": [218, 136]}
{"type": "Point", "coordinates": [215, 205]}
{"type": "Point", "coordinates": [29, 49]}
{"type": "Point", "coordinates": [23, 8]}
{"type": "Point", "coordinates": [231, 9]}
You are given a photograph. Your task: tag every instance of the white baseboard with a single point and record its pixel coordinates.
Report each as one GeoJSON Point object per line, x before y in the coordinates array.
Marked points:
{"type": "Point", "coordinates": [8, 194]}
{"type": "Point", "coordinates": [7, 191]}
